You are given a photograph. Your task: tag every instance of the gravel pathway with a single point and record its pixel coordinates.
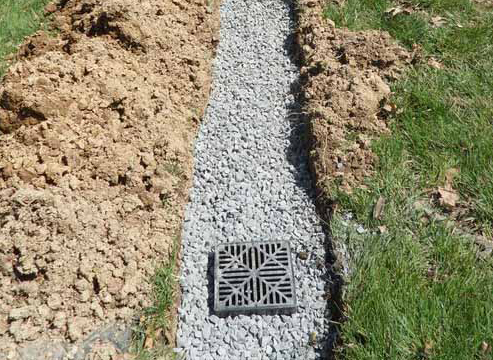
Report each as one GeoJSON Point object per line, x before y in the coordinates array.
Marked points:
{"type": "Point", "coordinates": [251, 182]}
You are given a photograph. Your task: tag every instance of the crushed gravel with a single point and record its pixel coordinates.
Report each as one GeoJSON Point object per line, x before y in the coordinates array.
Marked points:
{"type": "Point", "coordinates": [252, 183]}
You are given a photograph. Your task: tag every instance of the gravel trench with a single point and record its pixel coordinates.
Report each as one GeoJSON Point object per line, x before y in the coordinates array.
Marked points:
{"type": "Point", "coordinates": [252, 182]}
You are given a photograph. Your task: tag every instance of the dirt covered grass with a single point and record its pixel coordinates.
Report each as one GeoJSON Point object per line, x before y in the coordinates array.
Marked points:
{"type": "Point", "coordinates": [346, 76]}
{"type": "Point", "coordinates": [18, 19]}
{"type": "Point", "coordinates": [420, 281]}
{"type": "Point", "coordinates": [96, 131]}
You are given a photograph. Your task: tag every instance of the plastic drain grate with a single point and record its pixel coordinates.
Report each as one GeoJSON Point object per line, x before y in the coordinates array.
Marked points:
{"type": "Point", "coordinates": [254, 278]}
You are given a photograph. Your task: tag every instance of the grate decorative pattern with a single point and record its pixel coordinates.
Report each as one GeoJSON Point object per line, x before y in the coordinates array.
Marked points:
{"type": "Point", "coordinates": [254, 278]}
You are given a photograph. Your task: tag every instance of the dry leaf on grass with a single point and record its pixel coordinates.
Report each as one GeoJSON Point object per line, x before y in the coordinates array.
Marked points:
{"type": "Point", "coordinates": [450, 174]}
{"type": "Point", "coordinates": [149, 342]}
{"type": "Point", "coordinates": [382, 229]}
{"type": "Point", "coordinates": [391, 108]}
{"type": "Point", "coordinates": [427, 349]}
{"type": "Point", "coordinates": [394, 11]}
{"type": "Point", "coordinates": [485, 347]}
{"type": "Point", "coordinates": [438, 21]}
{"type": "Point", "coordinates": [378, 209]}
{"type": "Point", "coordinates": [448, 197]}
{"type": "Point", "coordinates": [435, 64]}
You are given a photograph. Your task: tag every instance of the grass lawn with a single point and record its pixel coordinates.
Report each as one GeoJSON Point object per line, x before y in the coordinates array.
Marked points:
{"type": "Point", "coordinates": [420, 291]}
{"type": "Point", "coordinates": [18, 19]}
{"type": "Point", "coordinates": [149, 338]}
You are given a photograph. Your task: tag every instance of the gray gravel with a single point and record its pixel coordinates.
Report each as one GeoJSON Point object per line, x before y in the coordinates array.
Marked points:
{"type": "Point", "coordinates": [252, 182]}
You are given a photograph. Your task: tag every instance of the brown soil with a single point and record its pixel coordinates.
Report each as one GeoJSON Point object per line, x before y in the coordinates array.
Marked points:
{"type": "Point", "coordinates": [346, 76]}
{"type": "Point", "coordinates": [96, 131]}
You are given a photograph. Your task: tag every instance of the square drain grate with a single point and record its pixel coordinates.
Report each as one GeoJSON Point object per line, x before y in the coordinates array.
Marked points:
{"type": "Point", "coordinates": [254, 278]}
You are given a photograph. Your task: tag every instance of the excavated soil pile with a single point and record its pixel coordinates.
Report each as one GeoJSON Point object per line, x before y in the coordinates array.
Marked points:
{"type": "Point", "coordinates": [346, 76]}
{"type": "Point", "coordinates": [96, 159]}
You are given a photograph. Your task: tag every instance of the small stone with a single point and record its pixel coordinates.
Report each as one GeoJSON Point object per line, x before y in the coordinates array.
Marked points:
{"type": "Point", "coordinates": [206, 332]}
{"type": "Point", "coordinates": [265, 340]}
{"type": "Point", "coordinates": [241, 336]}
{"type": "Point", "coordinates": [253, 329]}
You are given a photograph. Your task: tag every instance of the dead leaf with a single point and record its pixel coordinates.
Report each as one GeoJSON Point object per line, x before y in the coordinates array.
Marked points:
{"type": "Point", "coordinates": [438, 21]}
{"type": "Point", "coordinates": [169, 336]}
{"type": "Point", "coordinates": [485, 347]}
{"type": "Point", "coordinates": [313, 338]}
{"type": "Point", "coordinates": [382, 229]}
{"type": "Point", "coordinates": [377, 210]}
{"type": "Point", "coordinates": [390, 108]}
{"type": "Point", "coordinates": [428, 348]}
{"type": "Point", "coordinates": [430, 273]}
{"type": "Point", "coordinates": [149, 343]}
{"type": "Point", "coordinates": [417, 53]}
{"type": "Point", "coordinates": [448, 197]}
{"type": "Point", "coordinates": [394, 11]}
{"type": "Point", "coordinates": [450, 174]}
{"type": "Point", "coordinates": [435, 64]}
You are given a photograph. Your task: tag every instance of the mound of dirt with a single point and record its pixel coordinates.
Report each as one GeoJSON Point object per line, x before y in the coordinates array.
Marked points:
{"type": "Point", "coordinates": [96, 160]}
{"type": "Point", "coordinates": [345, 84]}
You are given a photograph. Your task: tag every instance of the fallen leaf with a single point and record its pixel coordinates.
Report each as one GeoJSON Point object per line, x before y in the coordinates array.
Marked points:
{"type": "Point", "coordinates": [149, 343]}
{"type": "Point", "coordinates": [378, 209]}
{"type": "Point", "coordinates": [448, 197]}
{"type": "Point", "coordinates": [417, 53]}
{"type": "Point", "coordinates": [390, 108]}
{"type": "Point", "coordinates": [382, 229]}
{"type": "Point", "coordinates": [394, 11]}
{"type": "Point", "coordinates": [485, 347]}
{"type": "Point", "coordinates": [435, 64]}
{"type": "Point", "coordinates": [450, 174]}
{"type": "Point", "coordinates": [313, 338]}
{"type": "Point", "coordinates": [428, 348]}
{"type": "Point", "coordinates": [438, 21]}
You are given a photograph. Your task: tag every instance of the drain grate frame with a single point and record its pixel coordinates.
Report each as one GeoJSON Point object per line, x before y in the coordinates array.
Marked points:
{"type": "Point", "coordinates": [254, 277]}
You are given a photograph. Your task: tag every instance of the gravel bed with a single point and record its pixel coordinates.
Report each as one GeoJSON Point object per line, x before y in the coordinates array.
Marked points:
{"type": "Point", "coordinates": [252, 182]}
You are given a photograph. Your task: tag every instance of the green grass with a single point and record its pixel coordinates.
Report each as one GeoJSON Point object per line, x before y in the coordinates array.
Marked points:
{"type": "Point", "coordinates": [18, 19]}
{"type": "Point", "coordinates": [420, 291]}
{"type": "Point", "coordinates": [157, 318]}
{"type": "Point", "coordinates": [419, 287]}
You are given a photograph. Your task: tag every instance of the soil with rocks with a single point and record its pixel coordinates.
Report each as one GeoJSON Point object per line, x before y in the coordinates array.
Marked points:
{"type": "Point", "coordinates": [96, 132]}
{"type": "Point", "coordinates": [346, 87]}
